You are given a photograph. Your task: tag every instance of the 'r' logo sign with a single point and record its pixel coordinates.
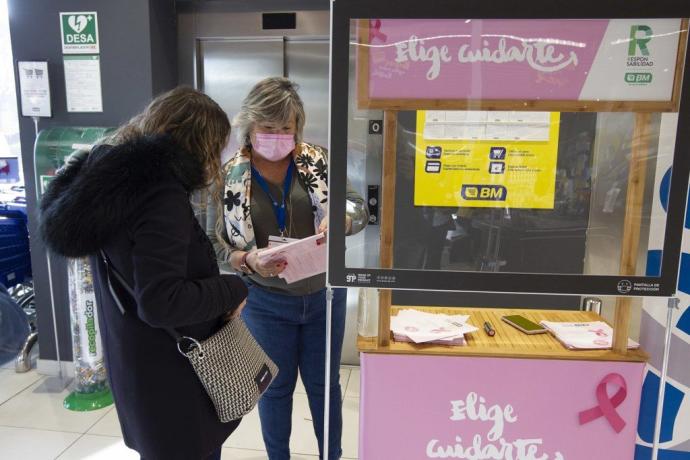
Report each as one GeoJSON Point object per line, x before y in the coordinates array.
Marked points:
{"type": "Point", "coordinates": [639, 42]}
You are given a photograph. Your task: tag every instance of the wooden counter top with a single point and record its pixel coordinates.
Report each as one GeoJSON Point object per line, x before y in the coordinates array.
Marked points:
{"type": "Point", "coordinates": [508, 341]}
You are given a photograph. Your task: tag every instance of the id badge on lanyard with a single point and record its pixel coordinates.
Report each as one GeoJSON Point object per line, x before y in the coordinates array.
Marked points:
{"type": "Point", "coordinates": [274, 240]}
{"type": "Point", "coordinates": [279, 209]}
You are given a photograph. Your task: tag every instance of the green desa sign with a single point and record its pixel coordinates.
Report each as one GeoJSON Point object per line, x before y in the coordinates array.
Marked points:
{"type": "Point", "coordinates": [79, 33]}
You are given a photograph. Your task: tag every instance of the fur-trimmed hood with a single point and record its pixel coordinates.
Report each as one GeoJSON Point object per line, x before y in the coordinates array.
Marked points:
{"type": "Point", "coordinates": [91, 198]}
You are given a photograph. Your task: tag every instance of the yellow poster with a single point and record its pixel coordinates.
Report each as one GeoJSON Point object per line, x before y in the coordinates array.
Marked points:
{"type": "Point", "coordinates": [486, 159]}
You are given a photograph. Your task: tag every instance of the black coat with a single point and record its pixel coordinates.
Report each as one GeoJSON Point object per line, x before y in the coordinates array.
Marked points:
{"type": "Point", "coordinates": [133, 201]}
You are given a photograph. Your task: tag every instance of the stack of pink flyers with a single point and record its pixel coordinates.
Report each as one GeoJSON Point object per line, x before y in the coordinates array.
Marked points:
{"type": "Point", "coordinates": [592, 335]}
{"type": "Point", "coordinates": [434, 328]}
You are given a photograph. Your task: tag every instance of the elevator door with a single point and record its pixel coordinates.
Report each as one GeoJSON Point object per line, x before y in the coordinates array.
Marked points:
{"type": "Point", "coordinates": [228, 68]}
{"type": "Point", "coordinates": [306, 63]}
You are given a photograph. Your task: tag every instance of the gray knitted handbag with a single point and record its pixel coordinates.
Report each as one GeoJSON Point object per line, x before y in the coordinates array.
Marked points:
{"type": "Point", "coordinates": [231, 365]}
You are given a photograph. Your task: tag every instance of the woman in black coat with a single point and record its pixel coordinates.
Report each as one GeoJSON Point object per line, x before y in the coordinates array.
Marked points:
{"type": "Point", "coordinates": [131, 198]}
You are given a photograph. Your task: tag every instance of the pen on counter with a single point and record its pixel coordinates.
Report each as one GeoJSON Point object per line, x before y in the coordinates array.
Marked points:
{"type": "Point", "coordinates": [488, 329]}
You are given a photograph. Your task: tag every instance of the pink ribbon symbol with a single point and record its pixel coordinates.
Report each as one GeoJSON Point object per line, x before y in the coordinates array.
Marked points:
{"type": "Point", "coordinates": [599, 332]}
{"type": "Point", "coordinates": [375, 31]}
{"type": "Point", "coordinates": [607, 406]}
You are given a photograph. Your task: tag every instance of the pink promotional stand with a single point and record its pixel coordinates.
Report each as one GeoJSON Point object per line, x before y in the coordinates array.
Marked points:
{"type": "Point", "coordinates": [512, 395]}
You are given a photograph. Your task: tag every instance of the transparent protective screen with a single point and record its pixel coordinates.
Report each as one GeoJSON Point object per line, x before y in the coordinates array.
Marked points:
{"type": "Point", "coordinates": [520, 146]}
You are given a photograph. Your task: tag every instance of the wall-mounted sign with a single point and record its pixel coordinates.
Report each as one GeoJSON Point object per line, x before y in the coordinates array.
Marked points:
{"type": "Point", "coordinates": [486, 159]}
{"type": "Point", "coordinates": [79, 33]}
{"type": "Point", "coordinates": [532, 60]}
{"type": "Point", "coordinates": [83, 83]}
{"type": "Point", "coordinates": [34, 87]}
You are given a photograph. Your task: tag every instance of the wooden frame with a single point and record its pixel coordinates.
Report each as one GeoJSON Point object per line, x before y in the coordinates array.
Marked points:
{"type": "Point", "coordinates": [508, 341]}
{"type": "Point", "coordinates": [345, 36]}
{"type": "Point", "coordinates": [387, 277]}
{"type": "Point", "coordinates": [631, 227]}
{"type": "Point", "coordinates": [390, 132]}
{"type": "Point", "coordinates": [636, 176]}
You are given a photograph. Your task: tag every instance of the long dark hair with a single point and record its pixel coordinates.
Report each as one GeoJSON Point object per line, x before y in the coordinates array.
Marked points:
{"type": "Point", "coordinates": [197, 123]}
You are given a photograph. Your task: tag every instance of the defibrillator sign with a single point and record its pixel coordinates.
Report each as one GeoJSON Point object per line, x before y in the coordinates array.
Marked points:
{"type": "Point", "coordinates": [79, 33]}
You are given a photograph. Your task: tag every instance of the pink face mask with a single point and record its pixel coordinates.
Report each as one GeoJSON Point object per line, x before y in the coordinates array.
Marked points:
{"type": "Point", "coordinates": [274, 147]}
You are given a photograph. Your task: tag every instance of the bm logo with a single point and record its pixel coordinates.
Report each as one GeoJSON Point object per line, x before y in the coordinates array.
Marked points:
{"type": "Point", "coordinates": [639, 78]}
{"type": "Point", "coordinates": [484, 192]}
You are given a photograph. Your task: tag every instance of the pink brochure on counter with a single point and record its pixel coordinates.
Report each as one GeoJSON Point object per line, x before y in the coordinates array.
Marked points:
{"type": "Point", "coordinates": [305, 257]}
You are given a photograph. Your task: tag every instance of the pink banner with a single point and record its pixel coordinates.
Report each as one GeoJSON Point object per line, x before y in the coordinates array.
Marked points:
{"type": "Point", "coordinates": [482, 59]}
{"type": "Point", "coordinates": [416, 407]}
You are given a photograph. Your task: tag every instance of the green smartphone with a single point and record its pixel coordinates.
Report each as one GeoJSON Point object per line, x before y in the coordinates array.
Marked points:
{"type": "Point", "coordinates": [523, 324]}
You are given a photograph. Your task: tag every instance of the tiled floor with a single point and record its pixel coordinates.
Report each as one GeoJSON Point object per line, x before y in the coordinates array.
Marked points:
{"type": "Point", "coordinates": [34, 425]}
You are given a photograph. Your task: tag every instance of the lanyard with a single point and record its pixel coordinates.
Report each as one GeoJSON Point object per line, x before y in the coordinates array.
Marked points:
{"type": "Point", "coordinates": [278, 209]}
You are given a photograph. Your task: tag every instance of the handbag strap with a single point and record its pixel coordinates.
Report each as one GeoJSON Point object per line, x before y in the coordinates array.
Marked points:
{"type": "Point", "coordinates": [110, 269]}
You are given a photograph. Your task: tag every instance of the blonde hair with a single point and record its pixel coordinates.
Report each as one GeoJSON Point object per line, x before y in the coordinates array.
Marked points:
{"type": "Point", "coordinates": [197, 123]}
{"type": "Point", "coordinates": [273, 99]}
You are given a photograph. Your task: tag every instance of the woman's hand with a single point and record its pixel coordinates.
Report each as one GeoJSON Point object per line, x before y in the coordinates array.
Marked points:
{"type": "Point", "coordinates": [267, 269]}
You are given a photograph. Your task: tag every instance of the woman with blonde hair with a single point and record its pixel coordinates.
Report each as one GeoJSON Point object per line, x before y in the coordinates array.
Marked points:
{"type": "Point", "coordinates": [277, 185]}
{"type": "Point", "coordinates": [130, 197]}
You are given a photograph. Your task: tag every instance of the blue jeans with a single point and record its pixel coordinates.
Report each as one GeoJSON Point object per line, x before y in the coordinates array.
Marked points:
{"type": "Point", "coordinates": [292, 331]}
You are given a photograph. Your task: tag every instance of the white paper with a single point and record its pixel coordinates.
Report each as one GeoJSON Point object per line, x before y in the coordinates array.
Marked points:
{"type": "Point", "coordinates": [500, 116]}
{"type": "Point", "coordinates": [305, 257]}
{"type": "Point", "coordinates": [433, 131]}
{"type": "Point", "coordinates": [83, 83]}
{"type": "Point", "coordinates": [274, 240]}
{"type": "Point", "coordinates": [529, 132]}
{"type": "Point", "coordinates": [456, 115]}
{"type": "Point", "coordinates": [531, 117]}
{"type": "Point", "coordinates": [457, 131]}
{"type": "Point", "coordinates": [465, 131]}
{"type": "Point", "coordinates": [422, 327]}
{"type": "Point", "coordinates": [473, 116]}
{"type": "Point", "coordinates": [594, 335]}
{"type": "Point", "coordinates": [496, 132]}
{"type": "Point", "coordinates": [436, 115]}
{"type": "Point", "coordinates": [479, 125]}
{"type": "Point", "coordinates": [458, 341]}
{"type": "Point", "coordinates": [35, 88]}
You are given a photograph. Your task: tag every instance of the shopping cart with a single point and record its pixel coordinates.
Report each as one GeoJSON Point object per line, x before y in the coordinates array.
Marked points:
{"type": "Point", "coordinates": [15, 274]}
{"type": "Point", "coordinates": [15, 259]}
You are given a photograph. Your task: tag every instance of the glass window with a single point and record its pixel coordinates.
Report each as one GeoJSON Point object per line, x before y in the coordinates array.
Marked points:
{"type": "Point", "coordinates": [10, 148]}
{"type": "Point", "coordinates": [516, 146]}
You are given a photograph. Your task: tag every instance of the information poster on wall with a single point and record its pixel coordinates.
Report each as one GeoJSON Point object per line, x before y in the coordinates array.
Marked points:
{"type": "Point", "coordinates": [83, 83]}
{"type": "Point", "coordinates": [34, 86]}
{"type": "Point", "coordinates": [486, 159]}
